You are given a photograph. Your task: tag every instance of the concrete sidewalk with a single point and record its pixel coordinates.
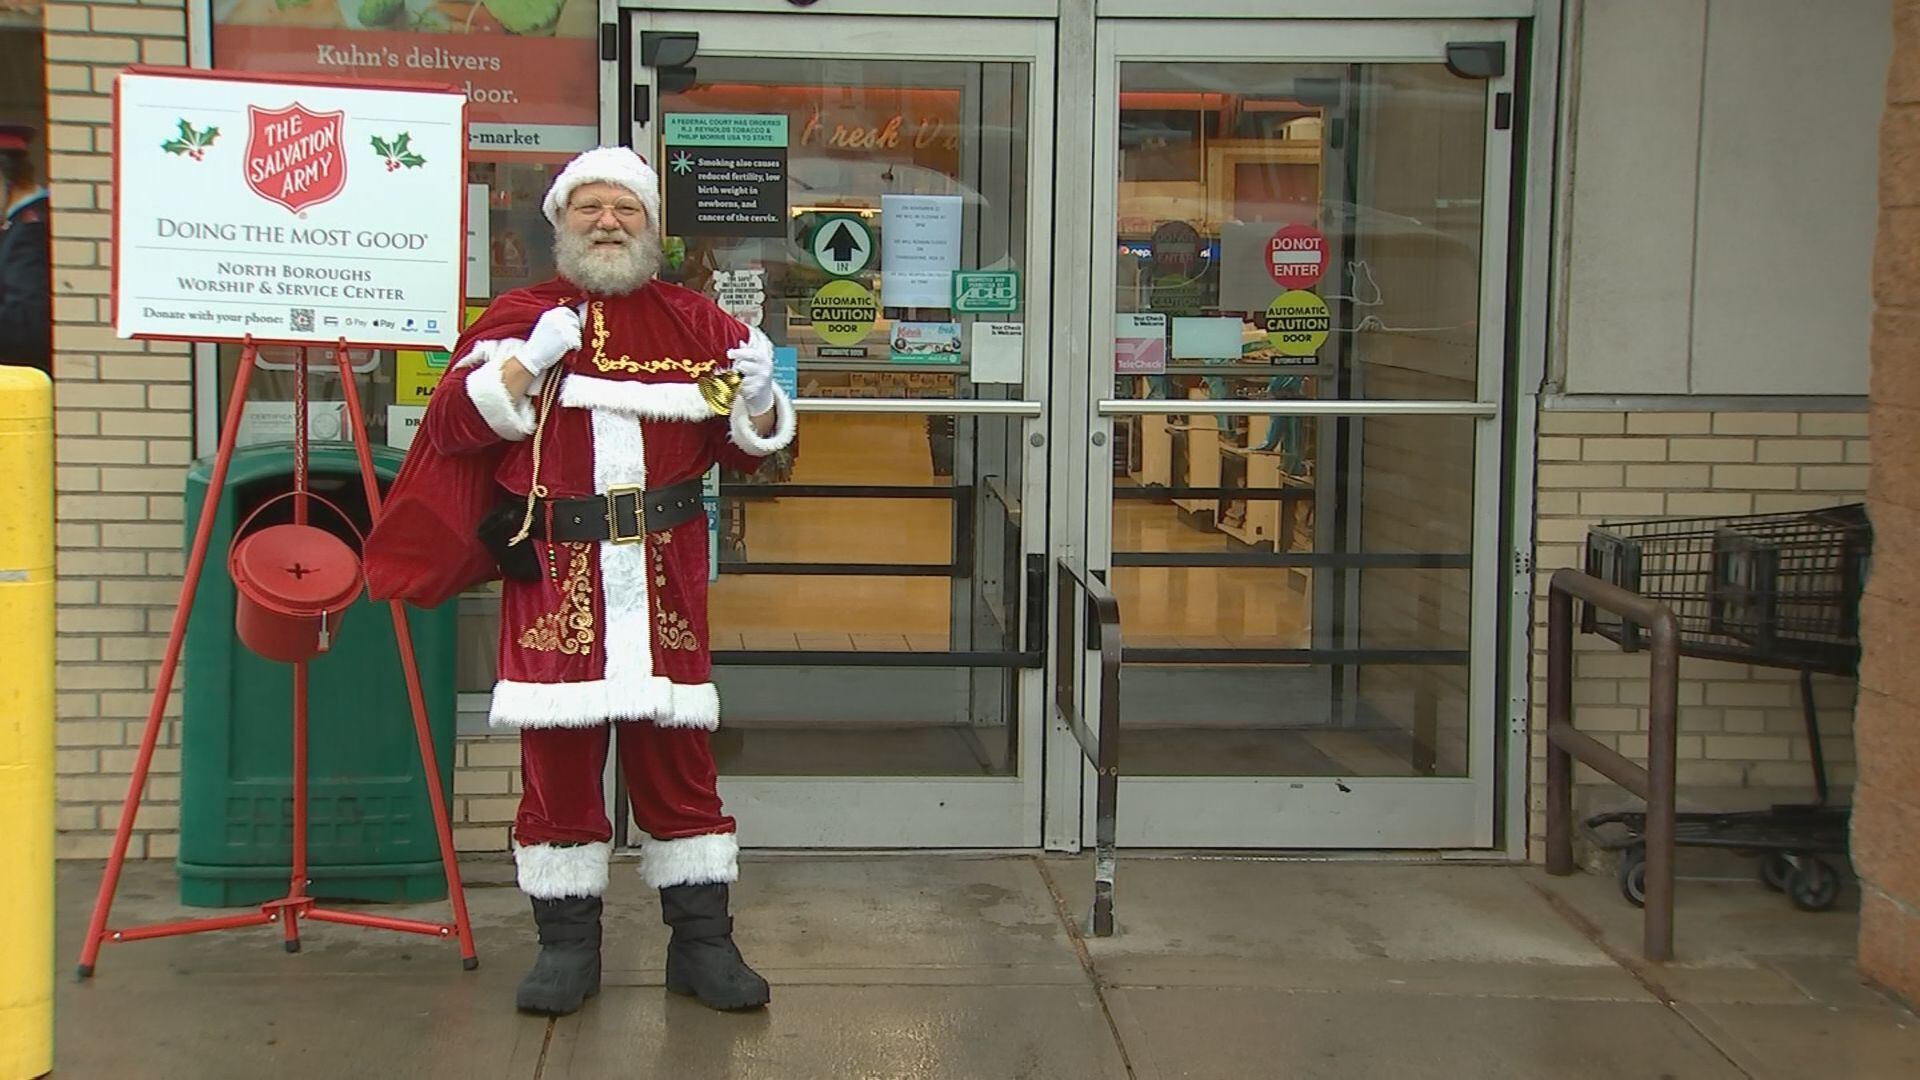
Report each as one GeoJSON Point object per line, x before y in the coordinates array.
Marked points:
{"type": "Point", "coordinates": [954, 966]}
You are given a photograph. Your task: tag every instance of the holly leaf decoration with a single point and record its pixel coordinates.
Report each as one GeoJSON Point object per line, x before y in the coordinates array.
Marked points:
{"type": "Point", "coordinates": [191, 141]}
{"type": "Point", "coordinates": [399, 152]}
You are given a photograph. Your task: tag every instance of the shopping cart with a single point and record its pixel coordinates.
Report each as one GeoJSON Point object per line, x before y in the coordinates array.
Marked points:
{"type": "Point", "coordinates": [1776, 590]}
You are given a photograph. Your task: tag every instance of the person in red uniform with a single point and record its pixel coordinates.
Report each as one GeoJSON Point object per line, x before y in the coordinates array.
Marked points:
{"type": "Point", "coordinates": [572, 431]}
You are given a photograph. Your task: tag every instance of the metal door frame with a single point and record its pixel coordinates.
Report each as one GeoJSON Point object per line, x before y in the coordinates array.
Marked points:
{"type": "Point", "coordinates": [1301, 812]}
{"type": "Point", "coordinates": [860, 811]}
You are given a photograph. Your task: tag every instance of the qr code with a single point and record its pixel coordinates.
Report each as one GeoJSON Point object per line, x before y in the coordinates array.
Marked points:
{"type": "Point", "coordinates": [300, 319]}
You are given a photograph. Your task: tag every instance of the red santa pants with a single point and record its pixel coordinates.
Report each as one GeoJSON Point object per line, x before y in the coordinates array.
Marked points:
{"type": "Point", "coordinates": [669, 773]}
{"type": "Point", "coordinates": [561, 833]}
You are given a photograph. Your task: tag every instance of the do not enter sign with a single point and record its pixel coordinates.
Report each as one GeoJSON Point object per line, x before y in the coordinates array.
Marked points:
{"type": "Point", "coordinates": [1297, 256]}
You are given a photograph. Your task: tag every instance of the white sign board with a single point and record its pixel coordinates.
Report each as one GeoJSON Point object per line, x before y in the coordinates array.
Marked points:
{"type": "Point", "coordinates": [403, 423]}
{"type": "Point", "coordinates": [921, 235]}
{"type": "Point", "coordinates": [999, 353]}
{"type": "Point", "coordinates": [291, 212]}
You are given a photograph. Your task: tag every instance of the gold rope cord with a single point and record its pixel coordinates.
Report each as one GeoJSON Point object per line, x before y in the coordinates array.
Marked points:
{"type": "Point", "coordinates": [535, 489]}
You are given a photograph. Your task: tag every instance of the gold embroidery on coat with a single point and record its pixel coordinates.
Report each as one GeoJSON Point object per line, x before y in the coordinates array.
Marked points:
{"type": "Point", "coordinates": [570, 629]}
{"type": "Point", "coordinates": [675, 631]}
{"type": "Point", "coordinates": [693, 368]}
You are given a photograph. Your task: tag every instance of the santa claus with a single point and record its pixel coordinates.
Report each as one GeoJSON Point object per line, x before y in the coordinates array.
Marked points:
{"type": "Point", "coordinates": [562, 453]}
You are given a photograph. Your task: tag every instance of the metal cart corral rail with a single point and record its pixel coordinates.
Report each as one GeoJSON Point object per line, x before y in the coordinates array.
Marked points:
{"type": "Point", "coordinates": [1775, 590]}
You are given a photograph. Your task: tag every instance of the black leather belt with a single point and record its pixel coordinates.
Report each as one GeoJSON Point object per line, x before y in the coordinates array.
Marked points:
{"type": "Point", "coordinates": [624, 515]}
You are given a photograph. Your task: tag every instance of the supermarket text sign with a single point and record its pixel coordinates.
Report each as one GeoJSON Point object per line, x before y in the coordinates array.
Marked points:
{"type": "Point", "coordinates": [292, 211]}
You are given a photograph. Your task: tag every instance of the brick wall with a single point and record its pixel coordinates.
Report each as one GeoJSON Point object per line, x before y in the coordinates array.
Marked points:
{"type": "Point", "coordinates": [1740, 740]}
{"type": "Point", "coordinates": [486, 791]}
{"type": "Point", "coordinates": [1886, 821]}
{"type": "Point", "coordinates": [123, 424]}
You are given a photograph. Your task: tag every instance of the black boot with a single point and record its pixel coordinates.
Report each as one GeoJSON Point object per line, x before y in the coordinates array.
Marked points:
{"type": "Point", "coordinates": [701, 958]}
{"type": "Point", "coordinates": [567, 971]}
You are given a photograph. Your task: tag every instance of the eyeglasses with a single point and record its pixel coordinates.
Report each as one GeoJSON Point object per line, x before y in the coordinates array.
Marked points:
{"type": "Point", "coordinates": [625, 210]}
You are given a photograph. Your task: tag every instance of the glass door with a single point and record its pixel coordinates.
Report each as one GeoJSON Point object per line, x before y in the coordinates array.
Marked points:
{"type": "Point", "coordinates": [1293, 457]}
{"type": "Point", "coordinates": [872, 193]}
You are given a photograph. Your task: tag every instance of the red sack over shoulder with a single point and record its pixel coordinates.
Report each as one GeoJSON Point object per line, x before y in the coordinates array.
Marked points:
{"type": "Point", "coordinates": [424, 549]}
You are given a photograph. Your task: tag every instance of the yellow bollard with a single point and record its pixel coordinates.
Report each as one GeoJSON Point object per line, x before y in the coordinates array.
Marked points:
{"type": "Point", "coordinates": [26, 723]}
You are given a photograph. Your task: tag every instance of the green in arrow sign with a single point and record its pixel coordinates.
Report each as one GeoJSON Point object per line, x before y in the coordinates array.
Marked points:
{"type": "Point", "coordinates": [842, 245]}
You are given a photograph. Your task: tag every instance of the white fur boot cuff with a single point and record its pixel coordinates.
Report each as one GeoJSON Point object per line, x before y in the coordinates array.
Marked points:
{"type": "Point", "coordinates": [692, 860]}
{"type": "Point", "coordinates": [554, 871]}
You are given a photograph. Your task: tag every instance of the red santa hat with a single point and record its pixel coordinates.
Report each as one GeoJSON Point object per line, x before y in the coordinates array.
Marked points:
{"type": "Point", "coordinates": [605, 165]}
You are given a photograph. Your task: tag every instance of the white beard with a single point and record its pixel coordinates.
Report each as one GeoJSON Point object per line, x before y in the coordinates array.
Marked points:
{"type": "Point", "coordinates": [604, 271]}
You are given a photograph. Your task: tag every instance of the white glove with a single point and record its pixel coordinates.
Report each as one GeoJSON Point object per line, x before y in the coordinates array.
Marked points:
{"type": "Point", "coordinates": [753, 362]}
{"type": "Point", "coordinates": [554, 336]}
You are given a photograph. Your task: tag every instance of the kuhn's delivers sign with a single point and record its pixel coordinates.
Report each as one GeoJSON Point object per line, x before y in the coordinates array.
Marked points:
{"type": "Point", "coordinates": [288, 211]}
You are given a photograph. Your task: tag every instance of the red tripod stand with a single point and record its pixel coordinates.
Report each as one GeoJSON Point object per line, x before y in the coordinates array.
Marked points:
{"type": "Point", "coordinates": [296, 905]}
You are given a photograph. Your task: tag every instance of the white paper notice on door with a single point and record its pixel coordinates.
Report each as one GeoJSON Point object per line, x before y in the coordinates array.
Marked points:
{"type": "Point", "coordinates": [920, 249]}
{"type": "Point", "coordinates": [1139, 344]}
{"type": "Point", "coordinates": [1206, 338]}
{"type": "Point", "coordinates": [999, 352]}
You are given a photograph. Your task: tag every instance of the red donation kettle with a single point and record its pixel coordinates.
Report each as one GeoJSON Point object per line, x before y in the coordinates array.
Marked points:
{"type": "Point", "coordinates": [295, 584]}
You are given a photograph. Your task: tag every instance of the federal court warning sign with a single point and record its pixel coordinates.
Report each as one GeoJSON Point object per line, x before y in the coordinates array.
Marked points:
{"type": "Point", "coordinates": [295, 211]}
{"type": "Point", "coordinates": [726, 174]}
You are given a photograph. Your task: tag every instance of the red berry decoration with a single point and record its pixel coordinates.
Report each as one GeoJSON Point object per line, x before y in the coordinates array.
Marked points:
{"type": "Point", "coordinates": [399, 152]}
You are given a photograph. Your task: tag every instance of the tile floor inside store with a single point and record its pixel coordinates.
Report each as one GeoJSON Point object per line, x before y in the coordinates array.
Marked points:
{"type": "Point", "coordinates": [1217, 720]}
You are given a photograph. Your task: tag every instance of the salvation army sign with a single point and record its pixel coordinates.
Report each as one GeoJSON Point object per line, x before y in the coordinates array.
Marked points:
{"type": "Point", "coordinates": [294, 155]}
{"type": "Point", "coordinates": [288, 211]}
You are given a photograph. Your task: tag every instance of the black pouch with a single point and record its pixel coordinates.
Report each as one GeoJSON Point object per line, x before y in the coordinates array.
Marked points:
{"type": "Point", "coordinates": [517, 561]}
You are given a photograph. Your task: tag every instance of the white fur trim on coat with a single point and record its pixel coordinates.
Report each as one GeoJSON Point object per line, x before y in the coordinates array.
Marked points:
{"type": "Point", "coordinates": [741, 431]}
{"type": "Point", "coordinates": [556, 871]}
{"type": "Point", "coordinates": [692, 860]}
{"type": "Point", "coordinates": [648, 401]}
{"type": "Point", "coordinates": [626, 579]}
{"type": "Point", "coordinates": [490, 349]}
{"type": "Point", "coordinates": [665, 703]}
{"type": "Point", "coordinates": [510, 416]}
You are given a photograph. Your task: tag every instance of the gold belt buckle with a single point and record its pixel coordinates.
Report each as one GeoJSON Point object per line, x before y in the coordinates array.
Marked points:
{"type": "Point", "coordinates": [639, 513]}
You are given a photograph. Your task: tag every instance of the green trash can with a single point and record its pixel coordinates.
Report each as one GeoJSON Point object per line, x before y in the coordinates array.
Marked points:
{"type": "Point", "coordinates": [369, 821]}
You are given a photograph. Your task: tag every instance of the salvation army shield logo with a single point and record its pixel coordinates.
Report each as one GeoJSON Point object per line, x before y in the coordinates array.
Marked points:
{"type": "Point", "coordinates": [295, 156]}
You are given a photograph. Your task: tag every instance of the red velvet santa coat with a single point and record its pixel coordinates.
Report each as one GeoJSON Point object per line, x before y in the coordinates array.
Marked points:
{"type": "Point", "coordinates": [611, 631]}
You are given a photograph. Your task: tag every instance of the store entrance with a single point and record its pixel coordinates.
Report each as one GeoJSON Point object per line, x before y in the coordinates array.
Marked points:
{"type": "Point", "coordinates": [1260, 394]}
{"type": "Point", "coordinates": [1293, 476]}
{"type": "Point", "coordinates": [879, 208]}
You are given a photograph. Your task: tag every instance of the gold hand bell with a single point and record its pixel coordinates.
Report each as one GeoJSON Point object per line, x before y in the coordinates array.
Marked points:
{"type": "Point", "coordinates": [718, 390]}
